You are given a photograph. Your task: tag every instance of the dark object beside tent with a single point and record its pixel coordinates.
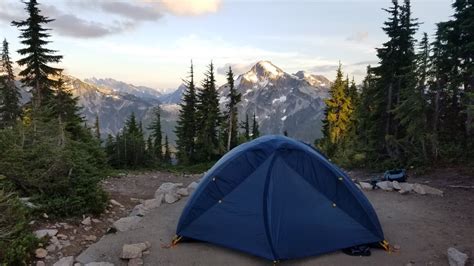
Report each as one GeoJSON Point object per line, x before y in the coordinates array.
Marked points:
{"type": "Point", "coordinates": [279, 199]}
{"type": "Point", "coordinates": [399, 175]}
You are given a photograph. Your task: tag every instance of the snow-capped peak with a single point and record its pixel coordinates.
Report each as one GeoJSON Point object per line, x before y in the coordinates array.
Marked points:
{"type": "Point", "coordinates": [313, 80]}
{"type": "Point", "coordinates": [263, 70]}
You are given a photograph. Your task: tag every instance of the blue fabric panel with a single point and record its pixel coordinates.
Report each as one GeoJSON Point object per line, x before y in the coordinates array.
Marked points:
{"type": "Point", "coordinates": [304, 222]}
{"type": "Point", "coordinates": [325, 178]}
{"type": "Point", "coordinates": [237, 221]}
{"type": "Point", "coordinates": [228, 176]}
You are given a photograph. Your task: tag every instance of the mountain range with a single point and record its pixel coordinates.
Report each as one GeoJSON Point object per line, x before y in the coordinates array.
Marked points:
{"type": "Point", "coordinates": [280, 101]}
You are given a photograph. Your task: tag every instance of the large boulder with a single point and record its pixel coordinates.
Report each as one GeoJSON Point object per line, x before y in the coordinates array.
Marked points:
{"type": "Point", "coordinates": [127, 223]}
{"type": "Point", "coordinates": [169, 192]}
{"type": "Point", "coordinates": [456, 257]}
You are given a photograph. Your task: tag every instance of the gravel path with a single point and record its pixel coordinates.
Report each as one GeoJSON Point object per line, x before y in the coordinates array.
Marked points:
{"type": "Point", "coordinates": [423, 226]}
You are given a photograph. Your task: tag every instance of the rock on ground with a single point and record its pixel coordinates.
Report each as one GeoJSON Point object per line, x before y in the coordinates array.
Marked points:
{"type": "Point", "coordinates": [385, 185]}
{"type": "Point", "coordinates": [86, 221]}
{"type": "Point", "coordinates": [152, 203]}
{"type": "Point", "coordinates": [45, 232]}
{"type": "Point", "coordinates": [66, 261]}
{"type": "Point", "coordinates": [183, 192]}
{"type": "Point", "coordinates": [366, 186]}
{"type": "Point", "coordinates": [171, 198]}
{"type": "Point", "coordinates": [168, 188]}
{"type": "Point", "coordinates": [456, 257]}
{"type": "Point", "coordinates": [396, 185]}
{"type": "Point", "coordinates": [192, 187]}
{"type": "Point", "coordinates": [135, 262]}
{"type": "Point", "coordinates": [41, 253]}
{"type": "Point", "coordinates": [127, 223]}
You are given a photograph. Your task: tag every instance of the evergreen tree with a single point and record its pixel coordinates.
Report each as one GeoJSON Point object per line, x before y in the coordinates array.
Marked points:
{"type": "Point", "coordinates": [187, 123]}
{"type": "Point", "coordinates": [156, 134]}
{"type": "Point", "coordinates": [97, 127]}
{"type": "Point", "coordinates": [10, 109]}
{"type": "Point", "coordinates": [255, 130]}
{"type": "Point", "coordinates": [36, 56]}
{"type": "Point", "coordinates": [338, 114]}
{"type": "Point", "coordinates": [234, 99]}
{"type": "Point", "coordinates": [246, 127]}
{"type": "Point", "coordinates": [167, 154]}
{"type": "Point", "coordinates": [209, 118]}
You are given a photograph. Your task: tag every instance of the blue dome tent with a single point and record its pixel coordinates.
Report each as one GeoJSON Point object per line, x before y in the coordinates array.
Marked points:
{"type": "Point", "coordinates": [278, 198]}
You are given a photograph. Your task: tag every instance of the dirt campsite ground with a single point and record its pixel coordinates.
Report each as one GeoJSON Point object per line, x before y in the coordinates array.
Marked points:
{"type": "Point", "coordinates": [423, 227]}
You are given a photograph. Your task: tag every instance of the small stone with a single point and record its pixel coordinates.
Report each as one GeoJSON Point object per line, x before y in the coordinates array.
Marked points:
{"type": "Point", "coordinates": [61, 236]}
{"type": "Point", "coordinates": [45, 216]}
{"type": "Point", "coordinates": [96, 221]}
{"type": "Point", "coordinates": [66, 261]}
{"type": "Point", "coordinates": [86, 221]}
{"type": "Point", "coordinates": [127, 223]}
{"type": "Point", "coordinates": [396, 185]}
{"type": "Point", "coordinates": [396, 247]}
{"type": "Point", "coordinates": [40, 263]}
{"type": "Point", "coordinates": [45, 232]}
{"type": "Point", "coordinates": [90, 238]}
{"type": "Point", "coordinates": [135, 262]}
{"type": "Point", "coordinates": [366, 186]}
{"type": "Point", "coordinates": [41, 253]}
{"type": "Point", "coordinates": [116, 203]}
{"type": "Point", "coordinates": [51, 248]}
{"type": "Point", "coordinates": [456, 257]}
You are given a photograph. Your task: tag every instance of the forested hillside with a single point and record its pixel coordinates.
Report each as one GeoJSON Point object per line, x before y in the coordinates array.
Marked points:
{"type": "Point", "coordinates": [416, 106]}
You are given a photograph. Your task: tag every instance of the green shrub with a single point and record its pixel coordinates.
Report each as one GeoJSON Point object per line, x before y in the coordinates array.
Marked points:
{"type": "Point", "coordinates": [63, 180]}
{"type": "Point", "coordinates": [16, 240]}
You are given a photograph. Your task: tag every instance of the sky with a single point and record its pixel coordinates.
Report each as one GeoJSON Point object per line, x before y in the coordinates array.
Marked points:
{"type": "Point", "coordinates": [151, 42]}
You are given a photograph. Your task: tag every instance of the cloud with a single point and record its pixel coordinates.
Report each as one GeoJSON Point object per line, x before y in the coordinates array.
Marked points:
{"type": "Point", "coordinates": [365, 63]}
{"type": "Point", "coordinates": [359, 36]}
{"type": "Point", "coordinates": [324, 68]}
{"type": "Point", "coordinates": [191, 7]}
{"type": "Point", "coordinates": [131, 11]}
{"type": "Point", "coordinates": [70, 25]}
{"type": "Point", "coordinates": [237, 68]}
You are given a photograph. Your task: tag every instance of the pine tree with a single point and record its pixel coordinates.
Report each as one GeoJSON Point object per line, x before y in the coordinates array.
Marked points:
{"type": "Point", "coordinates": [167, 155]}
{"type": "Point", "coordinates": [10, 109]}
{"type": "Point", "coordinates": [234, 99]}
{"type": "Point", "coordinates": [187, 123]}
{"type": "Point", "coordinates": [245, 125]}
{"type": "Point", "coordinates": [97, 127]}
{"type": "Point", "coordinates": [338, 109]}
{"type": "Point", "coordinates": [36, 56]}
{"type": "Point", "coordinates": [255, 130]}
{"type": "Point", "coordinates": [156, 134]}
{"type": "Point", "coordinates": [209, 118]}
